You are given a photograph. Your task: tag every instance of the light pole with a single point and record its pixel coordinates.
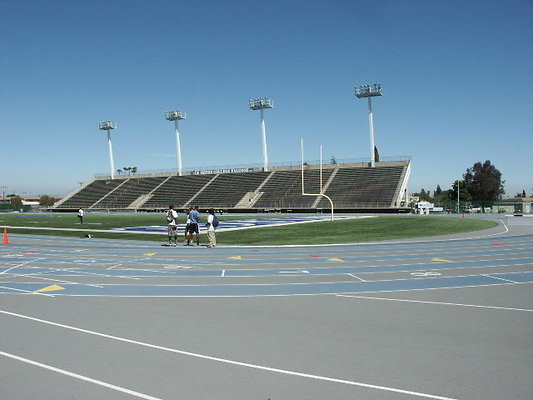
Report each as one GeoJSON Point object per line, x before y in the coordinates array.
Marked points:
{"type": "Point", "coordinates": [175, 115]}
{"type": "Point", "coordinates": [107, 126]}
{"type": "Point", "coordinates": [370, 91]}
{"type": "Point", "coordinates": [261, 104]}
{"type": "Point", "coordinates": [3, 193]}
{"type": "Point", "coordinates": [458, 189]}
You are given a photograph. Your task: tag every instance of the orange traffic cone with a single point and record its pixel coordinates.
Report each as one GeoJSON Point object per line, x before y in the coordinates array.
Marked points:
{"type": "Point", "coordinates": [6, 238]}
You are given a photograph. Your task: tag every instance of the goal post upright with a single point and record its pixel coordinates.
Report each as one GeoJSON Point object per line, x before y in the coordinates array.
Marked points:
{"type": "Point", "coordinates": [321, 194]}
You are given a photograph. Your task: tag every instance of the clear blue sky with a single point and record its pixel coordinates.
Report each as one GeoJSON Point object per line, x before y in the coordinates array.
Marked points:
{"type": "Point", "coordinates": [457, 78]}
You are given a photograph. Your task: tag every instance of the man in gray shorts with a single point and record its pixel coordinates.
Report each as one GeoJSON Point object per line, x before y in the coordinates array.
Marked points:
{"type": "Point", "coordinates": [194, 228]}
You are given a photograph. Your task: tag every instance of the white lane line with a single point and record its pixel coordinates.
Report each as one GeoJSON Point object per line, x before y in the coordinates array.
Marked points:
{"type": "Point", "coordinates": [83, 378]}
{"type": "Point", "coordinates": [231, 362]}
{"type": "Point", "coordinates": [25, 291]}
{"type": "Point", "coordinates": [19, 265]}
{"type": "Point", "coordinates": [435, 302]}
{"type": "Point", "coordinates": [356, 277]}
{"type": "Point", "coordinates": [223, 273]}
{"type": "Point", "coordinates": [87, 274]}
{"type": "Point", "coordinates": [41, 277]}
{"type": "Point", "coordinates": [501, 279]}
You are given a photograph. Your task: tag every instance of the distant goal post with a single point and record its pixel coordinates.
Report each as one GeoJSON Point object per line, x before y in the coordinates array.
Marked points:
{"type": "Point", "coordinates": [321, 194]}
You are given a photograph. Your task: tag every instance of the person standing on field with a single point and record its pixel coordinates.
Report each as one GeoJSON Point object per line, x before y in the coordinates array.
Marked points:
{"type": "Point", "coordinates": [172, 228]}
{"type": "Point", "coordinates": [211, 228]}
{"type": "Point", "coordinates": [187, 224]}
{"type": "Point", "coordinates": [194, 228]}
{"type": "Point", "coordinates": [80, 215]}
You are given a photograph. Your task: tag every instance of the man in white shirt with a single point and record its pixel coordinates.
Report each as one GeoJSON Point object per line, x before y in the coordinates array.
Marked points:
{"type": "Point", "coordinates": [172, 227]}
{"type": "Point", "coordinates": [211, 228]}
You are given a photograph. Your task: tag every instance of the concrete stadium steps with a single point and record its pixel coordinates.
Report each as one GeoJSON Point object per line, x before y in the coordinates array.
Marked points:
{"type": "Point", "coordinates": [349, 186]}
{"type": "Point", "coordinates": [227, 190]}
{"type": "Point", "coordinates": [364, 187]}
{"type": "Point", "coordinates": [130, 191]}
{"type": "Point", "coordinates": [177, 191]}
{"type": "Point", "coordinates": [92, 193]}
{"type": "Point", "coordinates": [284, 189]}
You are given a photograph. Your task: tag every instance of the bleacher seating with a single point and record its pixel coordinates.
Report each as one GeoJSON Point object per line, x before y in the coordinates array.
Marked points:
{"type": "Point", "coordinates": [284, 189]}
{"type": "Point", "coordinates": [91, 193]}
{"type": "Point", "coordinates": [128, 192]}
{"type": "Point", "coordinates": [350, 187]}
{"type": "Point", "coordinates": [364, 187]}
{"type": "Point", "coordinates": [228, 189]}
{"type": "Point", "coordinates": [177, 191]}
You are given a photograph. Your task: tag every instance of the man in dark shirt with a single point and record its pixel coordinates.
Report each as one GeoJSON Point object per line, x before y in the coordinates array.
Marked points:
{"type": "Point", "coordinates": [194, 227]}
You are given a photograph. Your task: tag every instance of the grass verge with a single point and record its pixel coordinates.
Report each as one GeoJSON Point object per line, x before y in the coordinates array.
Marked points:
{"type": "Point", "coordinates": [324, 232]}
{"type": "Point", "coordinates": [355, 230]}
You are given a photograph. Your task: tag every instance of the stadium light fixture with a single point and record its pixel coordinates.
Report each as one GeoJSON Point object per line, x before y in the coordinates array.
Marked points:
{"type": "Point", "coordinates": [108, 126]}
{"type": "Point", "coordinates": [261, 104]}
{"type": "Point", "coordinates": [176, 115]}
{"type": "Point", "coordinates": [370, 91]}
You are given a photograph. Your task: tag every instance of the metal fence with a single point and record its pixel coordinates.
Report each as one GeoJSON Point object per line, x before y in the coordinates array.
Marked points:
{"type": "Point", "coordinates": [255, 167]}
{"type": "Point", "coordinates": [488, 207]}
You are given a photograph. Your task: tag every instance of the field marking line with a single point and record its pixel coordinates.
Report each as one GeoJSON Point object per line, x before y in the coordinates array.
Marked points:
{"type": "Point", "coordinates": [223, 273]}
{"type": "Point", "coordinates": [230, 362]}
{"type": "Point", "coordinates": [435, 302]}
{"type": "Point", "coordinates": [81, 377]}
{"type": "Point", "coordinates": [356, 277]}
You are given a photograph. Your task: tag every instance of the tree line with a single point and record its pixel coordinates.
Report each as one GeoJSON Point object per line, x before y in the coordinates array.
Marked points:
{"type": "Point", "coordinates": [14, 201]}
{"type": "Point", "coordinates": [482, 182]}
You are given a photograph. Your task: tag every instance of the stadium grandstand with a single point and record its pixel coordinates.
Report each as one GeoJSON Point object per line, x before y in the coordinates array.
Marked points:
{"type": "Point", "coordinates": [352, 187]}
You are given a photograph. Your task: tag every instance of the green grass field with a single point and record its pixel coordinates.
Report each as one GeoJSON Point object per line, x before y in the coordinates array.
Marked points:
{"type": "Point", "coordinates": [324, 232]}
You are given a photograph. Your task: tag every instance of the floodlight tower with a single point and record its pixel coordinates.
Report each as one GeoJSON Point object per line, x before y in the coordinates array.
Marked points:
{"type": "Point", "coordinates": [107, 126]}
{"type": "Point", "coordinates": [261, 104]}
{"type": "Point", "coordinates": [370, 91]}
{"type": "Point", "coordinates": [175, 115]}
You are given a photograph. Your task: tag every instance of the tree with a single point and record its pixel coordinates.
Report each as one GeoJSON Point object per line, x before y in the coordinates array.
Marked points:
{"type": "Point", "coordinates": [16, 201]}
{"type": "Point", "coordinates": [423, 195]}
{"type": "Point", "coordinates": [440, 195]}
{"type": "Point", "coordinates": [130, 170]}
{"type": "Point", "coordinates": [376, 154]}
{"type": "Point", "coordinates": [464, 195]}
{"type": "Point", "coordinates": [333, 160]}
{"type": "Point", "coordinates": [46, 201]}
{"type": "Point", "coordinates": [483, 182]}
